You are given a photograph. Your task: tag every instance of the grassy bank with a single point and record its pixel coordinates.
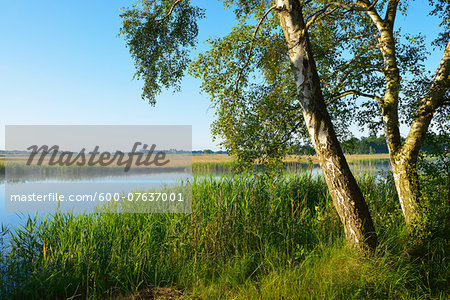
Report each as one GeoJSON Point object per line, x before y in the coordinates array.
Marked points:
{"type": "Point", "coordinates": [200, 158]}
{"type": "Point", "coordinates": [224, 164]}
{"type": "Point", "coordinates": [246, 238]}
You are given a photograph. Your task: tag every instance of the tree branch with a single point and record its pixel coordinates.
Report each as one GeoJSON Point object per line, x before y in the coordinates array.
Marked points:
{"type": "Point", "coordinates": [169, 13]}
{"type": "Point", "coordinates": [320, 14]}
{"type": "Point", "coordinates": [433, 99]}
{"type": "Point", "coordinates": [251, 45]}
{"type": "Point", "coordinates": [391, 12]}
{"type": "Point", "coordinates": [353, 92]}
{"type": "Point", "coordinates": [291, 132]}
{"type": "Point", "coordinates": [343, 79]}
{"type": "Point", "coordinates": [373, 14]}
{"type": "Point", "coordinates": [345, 66]}
{"type": "Point", "coordinates": [354, 37]}
{"type": "Point", "coordinates": [355, 6]}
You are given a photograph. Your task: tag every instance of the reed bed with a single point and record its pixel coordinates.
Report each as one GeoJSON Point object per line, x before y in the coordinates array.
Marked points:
{"type": "Point", "coordinates": [219, 167]}
{"type": "Point", "coordinates": [247, 237]}
{"type": "Point", "coordinates": [221, 164]}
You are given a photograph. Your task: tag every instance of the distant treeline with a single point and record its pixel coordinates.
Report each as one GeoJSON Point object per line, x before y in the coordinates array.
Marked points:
{"type": "Point", "coordinates": [373, 145]}
{"type": "Point", "coordinates": [366, 145]}
{"type": "Point", "coordinates": [208, 151]}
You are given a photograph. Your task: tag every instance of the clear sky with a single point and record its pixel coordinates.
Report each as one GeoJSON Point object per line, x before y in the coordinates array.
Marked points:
{"type": "Point", "coordinates": [62, 63]}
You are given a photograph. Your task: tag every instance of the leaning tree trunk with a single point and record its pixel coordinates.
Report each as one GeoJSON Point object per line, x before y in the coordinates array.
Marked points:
{"type": "Point", "coordinates": [406, 181]}
{"type": "Point", "coordinates": [347, 197]}
{"type": "Point", "coordinates": [404, 164]}
{"type": "Point", "coordinates": [404, 157]}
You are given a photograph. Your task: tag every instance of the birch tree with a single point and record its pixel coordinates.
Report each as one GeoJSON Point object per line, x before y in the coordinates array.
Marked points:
{"type": "Point", "coordinates": [433, 97]}
{"type": "Point", "coordinates": [292, 69]}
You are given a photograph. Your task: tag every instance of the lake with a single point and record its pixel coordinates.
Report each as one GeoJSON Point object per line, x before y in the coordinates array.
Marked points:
{"type": "Point", "coordinates": [124, 184]}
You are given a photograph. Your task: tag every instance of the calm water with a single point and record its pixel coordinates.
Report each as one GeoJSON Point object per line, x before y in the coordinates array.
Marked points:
{"type": "Point", "coordinates": [107, 184]}
{"type": "Point", "coordinates": [145, 181]}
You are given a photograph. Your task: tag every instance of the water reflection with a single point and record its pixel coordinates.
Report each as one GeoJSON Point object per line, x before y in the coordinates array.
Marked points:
{"type": "Point", "coordinates": [147, 176]}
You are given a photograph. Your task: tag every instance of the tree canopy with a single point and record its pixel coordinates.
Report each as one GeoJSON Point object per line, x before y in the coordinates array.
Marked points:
{"type": "Point", "coordinates": [247, 72]}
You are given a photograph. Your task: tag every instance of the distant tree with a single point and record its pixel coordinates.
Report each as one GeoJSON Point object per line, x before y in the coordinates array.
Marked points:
{"type": "Point", "coordinates": [351, 146]}
{"type": "Point", "coordinates": [366, 145]}
{"type": "Point", "coordinates": [207, 151]}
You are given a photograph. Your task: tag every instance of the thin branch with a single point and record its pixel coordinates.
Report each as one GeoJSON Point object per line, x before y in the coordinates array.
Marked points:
{"type": "Point", "coordinates": [169, 13]}
{"type": "Point", "coordinates": [343, 79]}
{"type": "Point", "coordinates": [252, 44]}
{"type": "Point", "coordinates": [353, 92]}
{"type": "Point", "coordinates": [320, 14]}
{"type": "Point", "coordinates": [354, 37]}
{"type": "Point", "coordinates": [373, 67]}
{"type": "Point", "coordinates": [345, 66]}
{"type": "Point", "coordinates": [366, 5]}
{"type": "Point", "coordinates": [310, 22]}
{"type": "Point", "coordinates": [355, 6]}
{"type": "Point", "coordinates": [293, 129]}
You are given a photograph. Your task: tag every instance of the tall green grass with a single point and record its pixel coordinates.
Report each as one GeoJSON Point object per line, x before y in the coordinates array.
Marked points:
{"type": "Point", "coordinates": [213, 167]}
{"type": "Point", "coordinates": [358, 166]}
{"type": "Point", "coordinates": [248, 237]}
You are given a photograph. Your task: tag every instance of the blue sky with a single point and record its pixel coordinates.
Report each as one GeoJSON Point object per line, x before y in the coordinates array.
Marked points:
{"type": "Point", "coordinates": [61, 62]}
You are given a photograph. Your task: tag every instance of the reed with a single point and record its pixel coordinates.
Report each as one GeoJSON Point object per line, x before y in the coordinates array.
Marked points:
{"type": "Point", "coordinates": [247, 237]}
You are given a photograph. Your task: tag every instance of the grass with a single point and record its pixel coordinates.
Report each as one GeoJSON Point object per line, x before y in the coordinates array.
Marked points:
{"type": "Point", "coordinates": [247, 237]}
{"type": "Point", "coordinates": [222, 163]}
{"type": "Point", "coordinates": [216, 167]}
{"type": "Point", "coordinates": [201, 158]}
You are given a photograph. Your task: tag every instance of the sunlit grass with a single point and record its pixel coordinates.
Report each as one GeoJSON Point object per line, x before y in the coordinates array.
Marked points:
{"type": "Point", "coordinates": [248, 237]}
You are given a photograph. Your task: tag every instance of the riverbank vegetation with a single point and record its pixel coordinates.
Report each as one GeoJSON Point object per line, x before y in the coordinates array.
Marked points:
{"type": "Point", "coordinates": [247, 237]}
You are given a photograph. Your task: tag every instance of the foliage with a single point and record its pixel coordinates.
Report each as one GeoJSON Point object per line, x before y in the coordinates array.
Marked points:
{"type": "Point", "coordinates": [248, 77]}
{"type": "Point", "coordinates": [441, 8]}
{"type": "Point", "coordinates": [434, 161]}
{"type": "Point", "coordinates": [160, 37]}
